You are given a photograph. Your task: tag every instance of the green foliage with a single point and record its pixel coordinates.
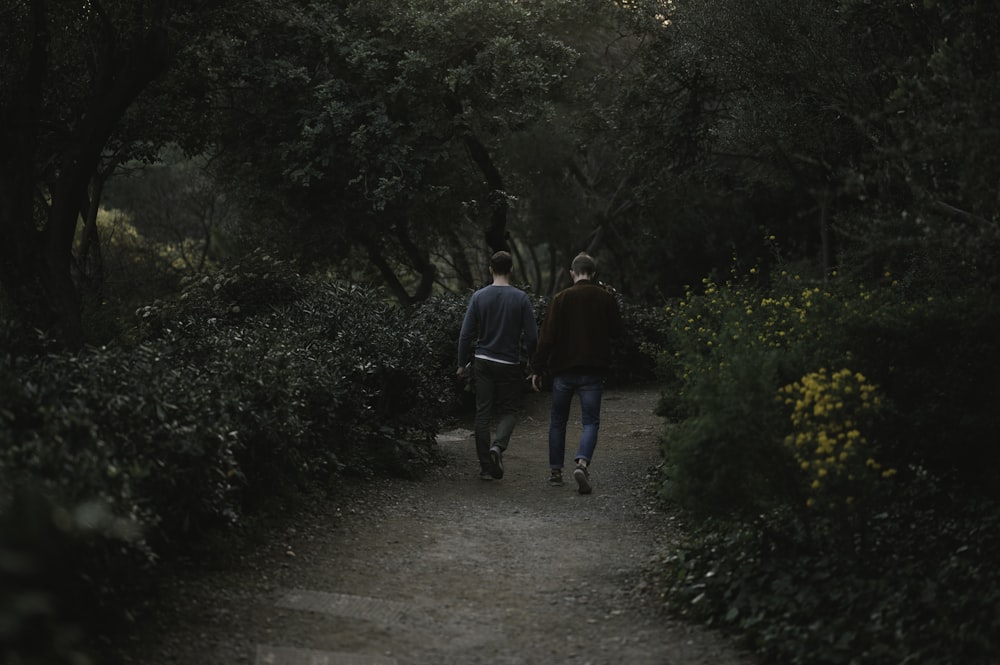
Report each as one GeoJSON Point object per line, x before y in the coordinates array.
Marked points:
{"type": "Point", "coordinates": [634, 358]}
{"type": "Point", "coordinates": [63, 573]}
{"type": "Point", "coordinates": [333, 372]}
{"type": "Point", "coordinates": [255, 383]}
{"type": "Point", "coordinates": [915, 587]}
{"type": "Point", "coordinates": [729, 351]}
{"type": "Point", "coordinates": [938, 60]}
{"type": "Point", "coordinates": [368, 152]}
{"type": "Point", "coordinates": [936, 359]}
{"type": "Point", "coordinates": [855, 131]}
{"type": "Point", "coordinates": [438, 321]}
{"type": "Point", "coordinates": [734, 347]}
{"type": "Point", "coordinates": [845, 433]}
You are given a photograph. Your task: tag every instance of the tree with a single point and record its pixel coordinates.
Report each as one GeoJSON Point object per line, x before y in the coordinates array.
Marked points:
{"type": "Point", "coordinates": [931, 177]}
{"type": "Point", "coordinates": [858, 133]}
{"type": "Point", "coordinates": [765, 97]}
{"type": "Point", "coordinates": [175, 204]}
{"type": "Point", "coordinates": [376, 127]}
{"type": "Point", "coordinates": [69, 73]}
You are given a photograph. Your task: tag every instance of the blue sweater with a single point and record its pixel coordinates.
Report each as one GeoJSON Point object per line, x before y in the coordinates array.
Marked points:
{"type": "Point", "coordinates": [493, 324]}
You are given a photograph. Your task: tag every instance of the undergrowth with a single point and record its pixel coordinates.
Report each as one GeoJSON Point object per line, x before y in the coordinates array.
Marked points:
{"type": "Point", "coordinates": [836, 443]}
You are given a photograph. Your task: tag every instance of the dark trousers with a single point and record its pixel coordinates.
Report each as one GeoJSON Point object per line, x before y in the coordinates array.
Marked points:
{"type": "Point", "coordinates": [498, 394]}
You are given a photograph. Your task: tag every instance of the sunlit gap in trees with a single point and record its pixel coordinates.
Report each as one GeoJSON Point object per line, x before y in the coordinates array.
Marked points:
{"type": "Point", "coordinates": [665, 7]}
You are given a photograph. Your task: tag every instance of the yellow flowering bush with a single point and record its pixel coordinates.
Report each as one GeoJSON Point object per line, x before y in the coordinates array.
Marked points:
{"type": "Point", "coordinates": [730, 347]}
{"type": "Point", "coordinates": [828, 414]}
{"type": "Point", "coordinates": [734, 343]}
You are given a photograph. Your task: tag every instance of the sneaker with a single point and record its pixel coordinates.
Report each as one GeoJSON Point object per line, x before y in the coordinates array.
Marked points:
{"type": "Point", "coordinates": [582, 478]}
{"type": "Point", "coordinates": [555, 477]}
{"type": "Point", "coordinates": [485, 473]}
{"type": "Point", "coordinates": [496, 456]}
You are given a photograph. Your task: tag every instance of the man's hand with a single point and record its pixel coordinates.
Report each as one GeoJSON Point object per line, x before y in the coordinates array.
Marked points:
{"type": "Point", "coordinates": [536, 382]}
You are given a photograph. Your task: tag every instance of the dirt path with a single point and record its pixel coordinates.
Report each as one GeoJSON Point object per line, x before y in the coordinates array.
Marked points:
{"type": "Point", "coordinates": [454, 570]}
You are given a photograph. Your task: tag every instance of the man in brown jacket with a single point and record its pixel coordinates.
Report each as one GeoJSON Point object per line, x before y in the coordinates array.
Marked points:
{"type": "Point", "coordinates": [574, 347]}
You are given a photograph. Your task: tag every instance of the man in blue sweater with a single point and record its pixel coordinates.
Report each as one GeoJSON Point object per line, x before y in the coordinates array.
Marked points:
{"type": "Point", "coordinates": [575, 350]}
{"type": "Point", "coordinates": [497, 317]}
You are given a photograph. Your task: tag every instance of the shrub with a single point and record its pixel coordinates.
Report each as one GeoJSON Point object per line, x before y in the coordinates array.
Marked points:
{"type": "Point", "coordinates": [635, 357]}
{"type": "Point", "coordinates": [734, 346]}
{"type": "Point", "coordinates": [829, 414]}
{"type": "Point", "coordinates": [908, 587]}
{"type": "Point", "coordinates": [438, 322]}
{"type": "Point", "coordinates": [729, 350]}
{"type": "Point", "coordinates": [935, 357]}
{"type": "Point", "coordinates": [64, 570]}
{"type": "Point", "coordinates": [254, 381]}
{"type": "Point", "coordinates": [874, 544]}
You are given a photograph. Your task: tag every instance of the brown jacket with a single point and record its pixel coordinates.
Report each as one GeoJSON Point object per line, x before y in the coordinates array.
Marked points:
{"type": "Point", "coordinates": [577, 331]}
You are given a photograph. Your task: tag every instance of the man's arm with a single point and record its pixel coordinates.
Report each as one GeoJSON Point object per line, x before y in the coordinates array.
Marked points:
{"type": "Point", "coordinates": [467, 335]}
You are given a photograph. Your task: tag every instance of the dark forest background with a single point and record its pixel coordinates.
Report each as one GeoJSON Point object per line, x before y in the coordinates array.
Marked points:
{"type": "Point", "coordinates": [236, 239]}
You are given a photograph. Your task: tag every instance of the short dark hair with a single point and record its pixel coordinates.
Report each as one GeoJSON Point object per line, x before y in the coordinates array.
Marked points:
{"type": "Point", "coordinates": [584, 264]}
{"type": "Point", "coordinates": [502, 263]}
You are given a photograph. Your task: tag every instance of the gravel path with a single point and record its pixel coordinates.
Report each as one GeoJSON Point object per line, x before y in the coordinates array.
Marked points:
{"type": "Point", "coordinates": [454, 570]}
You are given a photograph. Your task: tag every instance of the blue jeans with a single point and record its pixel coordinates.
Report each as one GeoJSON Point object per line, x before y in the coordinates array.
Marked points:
{"type": "Point", "coordinates": [590, 388]}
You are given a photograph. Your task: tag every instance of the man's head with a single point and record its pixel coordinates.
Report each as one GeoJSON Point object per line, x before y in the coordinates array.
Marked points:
{"type": "Point", "coordinates": [501, 263]}
{"type": "Point", "coordinates": [584, 266]}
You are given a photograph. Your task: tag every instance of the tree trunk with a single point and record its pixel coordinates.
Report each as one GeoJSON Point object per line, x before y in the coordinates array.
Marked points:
{"type": "Point", "coordinates": [388, 274]}
{"type": "Point", "coordinates": [420, 260]}
{"type": "Point", "coordinates": [824, 234]}
{"type": "Point", "coordinates": [555, 272]}
{"type": "Point", "coordinates": [536, 267]}
{"type": "Point", "coordinates": [24, 260]}
{"type": "Point", "coordinates": [36, 269]}
{"type": "Point", "coordinates": [459, 260]}
{"type": "Point", "coordinates": [496, 232]}
{"type": "Point", "coordinates": [92, 271]}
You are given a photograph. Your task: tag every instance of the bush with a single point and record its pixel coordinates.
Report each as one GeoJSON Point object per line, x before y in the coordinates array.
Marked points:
{"type": "Point", "coordinates": [635, 357]}
{"type": "Point", "coordinates": [62, 573]}
{"type": "Point", "coordinates": [255, 382]}
{"type": "Point", "coordinates": [907, 587]}
{"type": "Point", "coordinates": [830, 415]}
{"type": "Point", "coordinates": [935, 356]}
{"type": "Point", "coordinates": [845, 434]}
{"type": "Point", "coordinates": [729, 351]}
{"type": "Point", "coordinates": [438, 321]}
{"type": "Point", "coordinates": [326, 376]}
{"type": "Point", "coordinates": [735, 346]}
